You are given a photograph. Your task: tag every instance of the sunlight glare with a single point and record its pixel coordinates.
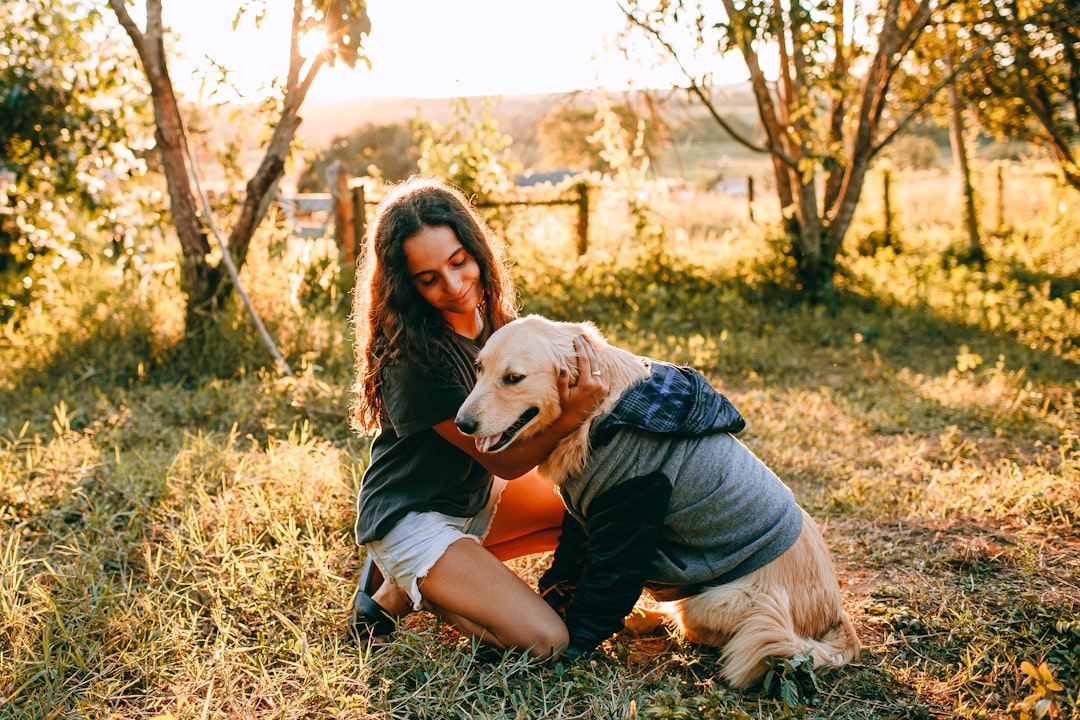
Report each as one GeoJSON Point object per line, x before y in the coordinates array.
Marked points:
{"type": "Point", "coordinates": [312, 43]}
{"type": "Point", "coordinates": [479, 47]}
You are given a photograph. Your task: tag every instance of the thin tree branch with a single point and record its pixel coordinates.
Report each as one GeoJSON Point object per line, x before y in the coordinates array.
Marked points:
{"type": "Point", "coordinates": [960, 68]}
{"type": "Point", "coordinates": [696, 89]}
{"type": "Point", "coordinates": [120, 8]}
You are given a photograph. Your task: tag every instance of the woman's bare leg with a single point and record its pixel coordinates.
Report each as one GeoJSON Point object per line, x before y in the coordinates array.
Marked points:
{"type": "Point", "coordinates": [528, 521]}
{"type": "Point", "coordinates": [392, 599]}
{"type": "Point", "coordinates": [472, 590]}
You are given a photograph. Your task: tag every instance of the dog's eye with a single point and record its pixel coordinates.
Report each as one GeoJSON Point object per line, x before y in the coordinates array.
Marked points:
{"type": "Point", "coordinates": [512, 378]}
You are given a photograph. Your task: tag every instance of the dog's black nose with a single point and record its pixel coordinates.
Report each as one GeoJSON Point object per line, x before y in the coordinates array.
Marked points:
{"type": "Point", "coordinates": [466, 424]}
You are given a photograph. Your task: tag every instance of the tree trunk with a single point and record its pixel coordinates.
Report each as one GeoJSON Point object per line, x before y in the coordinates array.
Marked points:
{"type": "Point", "coordinates": [804, 149]}
{"type": "Point", "coordinates": [261, 188]}
{"type": "Point", "coordinates": [207, 287]}
{"type": "Point", "coordinates": [974, 250]}
{"type": "Point", "coordinates": [197, 279]}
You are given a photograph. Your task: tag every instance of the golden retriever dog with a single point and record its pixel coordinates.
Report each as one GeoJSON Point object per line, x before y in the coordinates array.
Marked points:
{"type": "Point", "coordinates": [660, 495]}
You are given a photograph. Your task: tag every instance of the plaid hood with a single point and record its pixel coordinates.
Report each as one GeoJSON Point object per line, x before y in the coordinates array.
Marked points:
{"type": "Point", "coordinates": [673, 400]}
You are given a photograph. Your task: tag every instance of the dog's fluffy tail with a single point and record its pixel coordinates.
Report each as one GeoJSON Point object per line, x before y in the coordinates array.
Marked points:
{"type": "Point", "coordinates": [769, 631]}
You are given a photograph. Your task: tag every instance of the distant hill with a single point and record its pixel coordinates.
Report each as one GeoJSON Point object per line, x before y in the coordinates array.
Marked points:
{"type": "Point", "coordinates": [323, 121]}
{"type": "Point", "coordinates": [698, 149]}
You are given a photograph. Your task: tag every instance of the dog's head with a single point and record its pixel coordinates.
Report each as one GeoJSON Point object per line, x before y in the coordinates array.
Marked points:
{"type": "Point", "coordinates": [517, 391]}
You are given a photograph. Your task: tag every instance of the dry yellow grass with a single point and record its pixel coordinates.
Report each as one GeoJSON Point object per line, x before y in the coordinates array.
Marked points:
{"type": "Point", "coordinates": [178, 544]}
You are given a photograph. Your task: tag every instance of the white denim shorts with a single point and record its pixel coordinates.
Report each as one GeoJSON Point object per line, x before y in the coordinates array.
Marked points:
{"type": "Point", "coordinates": [415, 544]}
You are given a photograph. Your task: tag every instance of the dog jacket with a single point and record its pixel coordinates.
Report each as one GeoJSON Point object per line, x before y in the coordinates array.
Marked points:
{"type": "Point", "coordinates": [669, 500]}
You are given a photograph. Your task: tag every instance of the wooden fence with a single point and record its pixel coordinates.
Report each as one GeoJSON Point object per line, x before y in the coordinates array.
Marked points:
{"type": "Point", "coordinates": [343, 211]}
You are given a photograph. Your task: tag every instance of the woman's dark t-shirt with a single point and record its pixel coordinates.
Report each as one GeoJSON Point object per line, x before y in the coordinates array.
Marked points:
{"type": "Point", "coordinates": [412, 467]}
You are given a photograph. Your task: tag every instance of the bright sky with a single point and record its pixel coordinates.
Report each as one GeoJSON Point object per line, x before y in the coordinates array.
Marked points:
{"type": "Point", "coordinates": [426, 48]}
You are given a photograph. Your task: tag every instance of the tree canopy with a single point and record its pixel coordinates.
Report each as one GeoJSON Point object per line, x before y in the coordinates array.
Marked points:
{"type": "Point", "coordinates": [389, 152]}
{"type": "Point", "coordinates": [72, 123]}
{"type": "Point", "coordinates": [568, 135]}
{"type": "Point", "coordinates": [1029, 86]}
{"type": "Point", "coordinates": [834, 104]}
{"type": "Point", "coordinates": [64, 103]}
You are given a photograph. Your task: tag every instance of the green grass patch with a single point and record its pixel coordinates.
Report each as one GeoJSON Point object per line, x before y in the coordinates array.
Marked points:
{"type": "Point", "coordinates": [177, 518]}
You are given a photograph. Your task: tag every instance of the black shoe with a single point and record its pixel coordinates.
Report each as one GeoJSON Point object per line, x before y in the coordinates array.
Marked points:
{"type": "Point", "coordinates": [368, 619]}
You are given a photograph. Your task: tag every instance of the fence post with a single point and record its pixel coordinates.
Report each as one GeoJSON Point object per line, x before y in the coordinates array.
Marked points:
{"type": "Point", "coordinates": [338, 180]}
{"type": "Point", "coordinates": [750, 197]}
{"type": "Point", "coordinates": [886, 192]}
{"type": "Point", "coordinates": [1000, 200]}
{"type": "Point", "coordinates": [359, 219]}
{"type": "Point", "coordinates": [583, 219]}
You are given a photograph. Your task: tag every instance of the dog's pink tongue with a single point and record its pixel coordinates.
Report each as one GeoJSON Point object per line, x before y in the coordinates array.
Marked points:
{"type": "Point", "coordinates": [484, 443]}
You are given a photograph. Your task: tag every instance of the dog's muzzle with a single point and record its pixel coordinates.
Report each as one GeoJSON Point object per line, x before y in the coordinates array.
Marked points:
{"type": "Point", "coordinates": [469, 425]}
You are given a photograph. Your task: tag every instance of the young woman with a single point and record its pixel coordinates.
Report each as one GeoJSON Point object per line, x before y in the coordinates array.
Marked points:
{"type": "Point", "coordinates": [435, 515]}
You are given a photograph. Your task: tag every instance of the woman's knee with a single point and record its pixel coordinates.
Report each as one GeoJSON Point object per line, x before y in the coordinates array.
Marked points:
{"type": "Point", "coordinates": [551, 640]}
{"type": "Point", "coordinates": [539, 628]}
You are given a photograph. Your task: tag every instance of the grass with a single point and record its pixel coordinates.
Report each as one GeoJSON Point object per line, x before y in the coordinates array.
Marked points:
{"type": "Point", "coordinates": [177, 519]}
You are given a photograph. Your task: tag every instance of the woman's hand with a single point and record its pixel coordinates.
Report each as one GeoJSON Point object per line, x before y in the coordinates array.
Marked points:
{"type": "Point", "coordinates": [579, 400]}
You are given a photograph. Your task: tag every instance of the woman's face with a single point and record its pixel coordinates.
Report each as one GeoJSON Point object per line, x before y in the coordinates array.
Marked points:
{"type": "Point", "coordinates": [445, 274]}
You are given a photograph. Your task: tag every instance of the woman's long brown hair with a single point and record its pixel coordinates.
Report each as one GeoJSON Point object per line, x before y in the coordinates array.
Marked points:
{"type": "Point", "coordinates": [389, 317]}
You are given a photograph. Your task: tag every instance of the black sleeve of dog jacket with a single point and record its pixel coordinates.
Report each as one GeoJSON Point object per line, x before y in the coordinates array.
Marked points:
{"type": "Point", "coordinates": [559, 582]}
{"type": "Point", "coordinates": [623, 526]}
